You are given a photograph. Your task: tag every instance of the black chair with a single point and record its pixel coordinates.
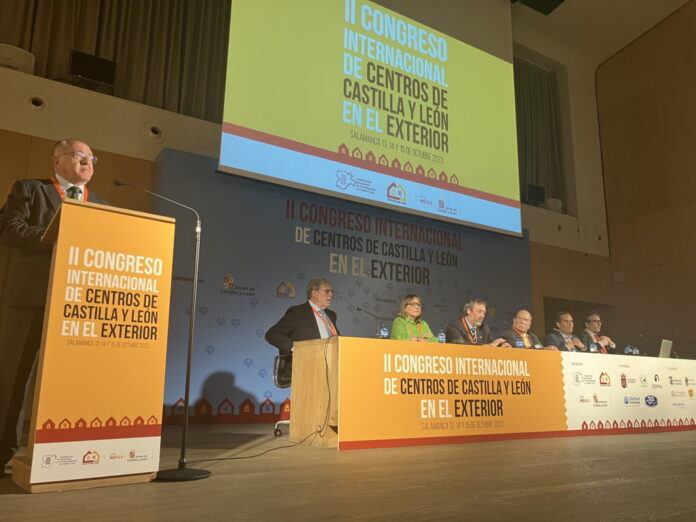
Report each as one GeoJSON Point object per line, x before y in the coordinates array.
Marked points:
{"type": "Point", "coordinates": [282, 377]}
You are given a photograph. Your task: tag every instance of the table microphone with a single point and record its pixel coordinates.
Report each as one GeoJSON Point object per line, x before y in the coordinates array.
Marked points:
{"type": "Point", "coordinates": [382, 331]}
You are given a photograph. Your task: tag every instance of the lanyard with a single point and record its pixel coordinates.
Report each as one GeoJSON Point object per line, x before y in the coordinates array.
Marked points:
{"type": "Point", "coordinates": [472, 339]}
{"type": "Point", "coordinates": [328, 323]}
{"type": "Point", "coordinates": [525, 338]}
{"type": "Point", "coordinates": [61, 192]}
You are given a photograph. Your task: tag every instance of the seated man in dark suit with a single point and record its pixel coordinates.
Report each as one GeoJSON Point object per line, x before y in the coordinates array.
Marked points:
{"type": "Point", "coordinates": [30, 206]}
{"type": "Point", "coordinates": [591, 338]}
{"type": "Point", "coordinates": [519, 335]}
{"type": "Point", "coordinates": [310, 320]}
{"type": "Point", "coordinates": [562, 337]}
{"type": "Point", "coordinates": [469, 329]}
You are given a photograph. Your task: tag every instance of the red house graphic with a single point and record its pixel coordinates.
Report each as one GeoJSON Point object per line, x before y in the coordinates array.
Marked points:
{"type": "Point", "coordinates": [247, 408]}
{"type": "Point", "coordinates": [370, 156]}
{"type": "Point", "coordinates": [225, 407]}
{"type": "Point", "coordinates": [65, 424]}
{"type": "Point", "coordinates": [96, 423]}
{"type": "Point", "coordinates": [152, 420]}
{"type": "Point", "coordinates": [139, 421]}
{"type": "Point", "coordinates": [125, 421]}
{"type": "Point", "coordinates": [432, 174]}
{"type": "Point", "coordinates": [454, 180]}
{"type": "Point", "coordinates": [81, 423]}
{"type": "Point", "coordinates": [408, 167]}
{"type": "Point", "coordinates": [343, 149]}
{"type": "Point", "coordinates": [111, 422]}
{"type": "Point", "coordinates": [420, 170]}
{"type": "Point", "coordinates": [357, 153]}
{"type": "Point", "coordinates": [203, 408]}
{"type": "Point", "coordinates": [383, 160]}
{"type": "Point", "coordinates": [442, 176]}
{"type": "Point", "coordinates": [178, 407]}
{"type": "Point", "coordinates": [266, 411]}
{"type": "Point", "coordinates": [396, 164]}
{"type": "Point", "coordinates": [285, 410]}
{"type": "Point", "coordinates": [49, 425]}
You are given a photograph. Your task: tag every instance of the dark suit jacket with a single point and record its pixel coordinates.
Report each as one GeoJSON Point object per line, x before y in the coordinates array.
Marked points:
{"type": "Point", "coordinates": [511, 337]}
{"type": "Point", "coordinates": [298, 324]}
{"type": "Point", "coordinates": [556, 339]}
{"type": "Point", "coordinates": [456, 334]}
{"type": "Point", "coordinates": [587, 341]}
{"type": "Point", "coordinates": [31, 205]}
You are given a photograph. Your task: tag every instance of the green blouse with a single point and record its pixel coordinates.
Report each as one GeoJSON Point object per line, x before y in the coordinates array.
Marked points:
{"type": "Point", "coordinates": [405, 328]}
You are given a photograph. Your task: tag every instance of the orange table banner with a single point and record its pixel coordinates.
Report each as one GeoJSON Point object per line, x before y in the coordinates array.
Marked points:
{"type": "Point", "coordinates": [406, 393]}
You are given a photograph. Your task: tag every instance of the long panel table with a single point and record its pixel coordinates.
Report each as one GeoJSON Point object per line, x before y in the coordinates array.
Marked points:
{"type": "Point", "coordinates": [352, 393]}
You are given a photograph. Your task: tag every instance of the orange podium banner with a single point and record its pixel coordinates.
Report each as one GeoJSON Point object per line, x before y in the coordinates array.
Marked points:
{"type": "Point", "coordinates": [100, 377]}
{"type": "Point", "coordinates": [397, 393]}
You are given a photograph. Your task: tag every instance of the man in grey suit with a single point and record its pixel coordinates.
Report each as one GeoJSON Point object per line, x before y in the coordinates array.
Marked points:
{"type": "Point", "coordinates": [30, 206]}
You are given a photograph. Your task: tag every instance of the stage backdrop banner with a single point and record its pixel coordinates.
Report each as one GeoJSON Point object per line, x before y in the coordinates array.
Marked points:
{"type": "Point", "coordinates": [98, 409]}
{"type": "Point", "coordinates": [261, 243]}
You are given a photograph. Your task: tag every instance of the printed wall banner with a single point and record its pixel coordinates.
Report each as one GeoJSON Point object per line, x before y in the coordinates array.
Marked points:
{"type": "Point", "coordinates": [261, 243]}
{"type": "Point", "coordinates": [98, 405]}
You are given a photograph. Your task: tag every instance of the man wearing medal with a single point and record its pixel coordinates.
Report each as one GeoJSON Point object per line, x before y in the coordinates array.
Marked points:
{"type": "Point", "coordinates": [30, 206]}
{"type": "Point", "coordinates": [519, 335]}
{"type": "Point", "coordinates": [310, 320]}
{"type": "Point", "coordinates": [469, 329]}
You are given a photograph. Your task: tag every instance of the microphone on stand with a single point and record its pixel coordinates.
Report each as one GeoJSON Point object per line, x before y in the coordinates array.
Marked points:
{"type": "Point", "coordinates": [182, 472]}
{"type": "Point", "coordinates": [382, 331]}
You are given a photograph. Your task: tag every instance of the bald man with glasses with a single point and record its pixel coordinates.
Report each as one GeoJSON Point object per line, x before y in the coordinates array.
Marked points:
{"type": "Point", "coordinates": [30, 206]}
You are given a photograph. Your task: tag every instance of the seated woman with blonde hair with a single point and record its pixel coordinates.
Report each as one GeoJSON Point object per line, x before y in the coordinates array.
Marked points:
{"type": "Point", "coordinates": [408, 325]}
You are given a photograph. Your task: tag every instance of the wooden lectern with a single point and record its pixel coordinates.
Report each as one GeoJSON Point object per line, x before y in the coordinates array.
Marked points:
{"type": "Point", "coordinates": [97, 411]}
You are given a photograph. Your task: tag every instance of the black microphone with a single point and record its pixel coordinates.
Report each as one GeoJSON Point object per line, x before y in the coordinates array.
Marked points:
{"type": "Point", "coordinates": [368, 313]}
{"type": "Point", "coordinates": [198, 218]}
{"type": "Point", "coordinates": [380, 325]}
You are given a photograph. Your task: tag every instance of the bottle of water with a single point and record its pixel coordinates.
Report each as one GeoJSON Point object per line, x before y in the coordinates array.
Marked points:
{"type": "Point", "coordinates": [441, 338]}
{"type": "Point", "coordinates": [383, 332]}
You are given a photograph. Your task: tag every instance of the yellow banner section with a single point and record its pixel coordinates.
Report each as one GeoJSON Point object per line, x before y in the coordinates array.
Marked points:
{"type": "Point", "coordinates": [406, 390]}
{"type": "Point", "coordinates": [101, 374]}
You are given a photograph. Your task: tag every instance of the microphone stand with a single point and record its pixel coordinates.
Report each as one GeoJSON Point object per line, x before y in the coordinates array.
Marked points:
{"type": "Point", "coordinates": [379, 323]}
{"type": "Point", "coordinates": [182, 473]}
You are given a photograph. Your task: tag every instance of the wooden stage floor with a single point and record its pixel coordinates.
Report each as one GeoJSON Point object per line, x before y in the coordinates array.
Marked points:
{"type": "Point", "coordinates": [601, 478]}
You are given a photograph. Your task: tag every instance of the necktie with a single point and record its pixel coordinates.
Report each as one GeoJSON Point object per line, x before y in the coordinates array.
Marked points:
{"type": "Point", "coordinates": [327, 321]}
{"type": "Point", "coordinates": [73, 192]}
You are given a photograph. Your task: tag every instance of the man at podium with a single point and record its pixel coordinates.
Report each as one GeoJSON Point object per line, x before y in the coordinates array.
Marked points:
{"type": "Point", "coordinates": [310, 320]}
{"type": "Point", "coordinates": [29, 208]}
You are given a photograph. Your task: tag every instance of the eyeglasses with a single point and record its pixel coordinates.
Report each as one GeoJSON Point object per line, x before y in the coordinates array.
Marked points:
{"type": "Point", "coordinates": [79, 155]}
{"type": "Point", "coordinates": [595, 321]}
{"type": "Point", "coordinates": [413, 303]}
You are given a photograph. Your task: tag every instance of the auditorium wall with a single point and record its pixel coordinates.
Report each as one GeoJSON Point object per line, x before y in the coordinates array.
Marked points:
{"type": "Point", "coordinates": [647, 112]}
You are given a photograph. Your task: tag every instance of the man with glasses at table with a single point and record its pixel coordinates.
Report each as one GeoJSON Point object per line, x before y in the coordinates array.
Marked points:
{"type": "Point", "coordinates": [30, 206]}
{"type": "Point", "coordinates": [591, 337]}
{"type": "Point", "coordinates": [469, 329]}
{"type": "Point", "coordinates": [310, 320]}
